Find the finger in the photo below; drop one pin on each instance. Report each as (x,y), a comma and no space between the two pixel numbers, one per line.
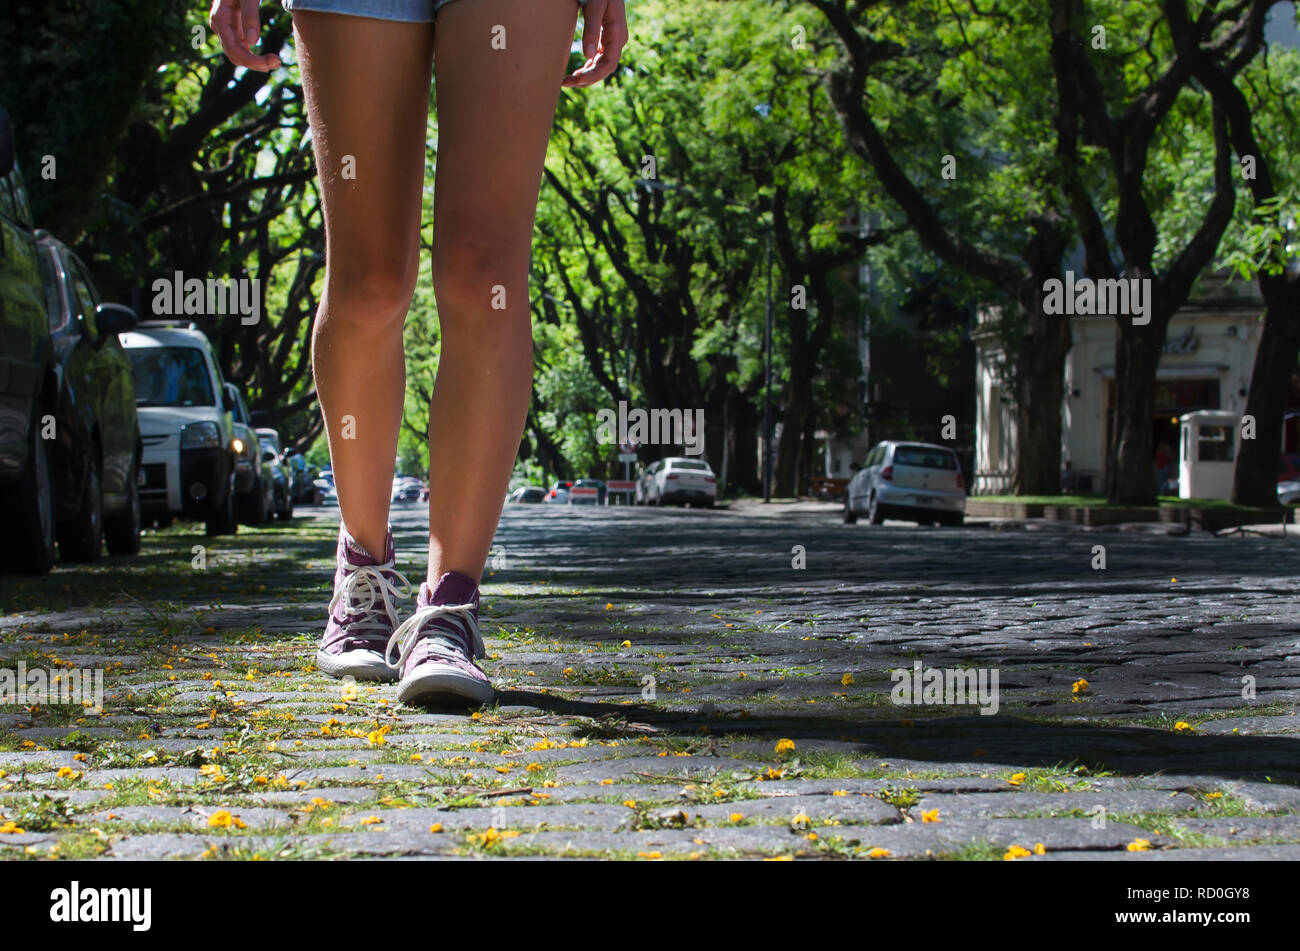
(225,20)
(593,15)
(613,38)
(601,66)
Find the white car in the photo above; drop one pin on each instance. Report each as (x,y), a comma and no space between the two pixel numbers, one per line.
(916,482)
(1288,493)
(681,479)
(190,450)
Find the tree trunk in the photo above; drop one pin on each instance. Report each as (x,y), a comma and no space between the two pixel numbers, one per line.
(1038,406)
(1254,479)
(1130,466)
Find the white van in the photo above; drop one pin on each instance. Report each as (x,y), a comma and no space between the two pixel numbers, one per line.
(190,447)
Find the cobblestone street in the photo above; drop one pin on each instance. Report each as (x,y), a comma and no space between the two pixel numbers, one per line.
(671,685)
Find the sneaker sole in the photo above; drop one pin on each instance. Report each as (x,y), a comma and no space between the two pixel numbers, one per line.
(444,688)
(358,664)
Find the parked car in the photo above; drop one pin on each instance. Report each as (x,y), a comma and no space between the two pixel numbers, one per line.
(69,437)
(917,482)
(325,491)
(682,479)
(303,482)
(281,471)
(584,499)
(186,425)
(559,493)
(527,493)
(1288,493)
(406,488)
(644,483)
(254,476)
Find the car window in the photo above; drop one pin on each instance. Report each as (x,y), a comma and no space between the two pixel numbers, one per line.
(170,376)
(691,466)
(50,285)
(924,458)
(85,292)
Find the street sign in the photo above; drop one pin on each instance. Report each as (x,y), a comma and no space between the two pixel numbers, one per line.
(627,447)
(627,457)
(620,485)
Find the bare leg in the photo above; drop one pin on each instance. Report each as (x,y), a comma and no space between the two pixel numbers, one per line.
(367,90)
(495,110)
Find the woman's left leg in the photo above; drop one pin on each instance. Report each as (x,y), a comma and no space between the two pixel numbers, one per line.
(498,66)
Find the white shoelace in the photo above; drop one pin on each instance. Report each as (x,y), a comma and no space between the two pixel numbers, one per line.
(367,591)
(410,633)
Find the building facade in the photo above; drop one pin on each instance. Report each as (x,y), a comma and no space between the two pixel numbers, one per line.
(1208,358)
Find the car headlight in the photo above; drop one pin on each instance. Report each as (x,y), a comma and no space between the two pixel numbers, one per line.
(237,444)
(203,435)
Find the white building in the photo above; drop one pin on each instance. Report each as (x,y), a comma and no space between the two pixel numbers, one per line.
(1208,358)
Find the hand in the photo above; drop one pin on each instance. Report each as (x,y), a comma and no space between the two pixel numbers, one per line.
(238,25)
(604,34)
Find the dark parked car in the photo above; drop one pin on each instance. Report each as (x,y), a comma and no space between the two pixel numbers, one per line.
(281,471)
(69,437)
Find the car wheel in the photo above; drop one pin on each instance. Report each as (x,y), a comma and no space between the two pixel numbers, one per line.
(122,531)
(222,521)
(81,538)
(850,516)
(29,519)
(874,515)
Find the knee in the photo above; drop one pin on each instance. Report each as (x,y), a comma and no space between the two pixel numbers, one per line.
(470,281)
(370,294)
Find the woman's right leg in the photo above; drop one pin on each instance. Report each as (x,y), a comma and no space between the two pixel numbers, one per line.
(367,85)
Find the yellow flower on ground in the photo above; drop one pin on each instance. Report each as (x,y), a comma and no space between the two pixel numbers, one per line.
(609,606)
(371,821)
(630,803)
(626,644)
(737,816)
(1183,726)
(222,819)
(67,772)
(1015,852)
(1079,686)
(1016,779)
(1040,849)
(878,854)
(436,827)
(839,792)
(1214,795)
(649,855)
(784,746)
(1139,845)
(10,828)
(607,782)
(931,816)
(376,737)
(846,680)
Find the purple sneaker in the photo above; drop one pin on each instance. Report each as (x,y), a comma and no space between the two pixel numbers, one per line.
(362,612)
(437,646)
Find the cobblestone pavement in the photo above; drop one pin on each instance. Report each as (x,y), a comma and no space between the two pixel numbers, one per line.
(671,685)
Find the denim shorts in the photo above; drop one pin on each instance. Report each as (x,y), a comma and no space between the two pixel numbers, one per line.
(406,11)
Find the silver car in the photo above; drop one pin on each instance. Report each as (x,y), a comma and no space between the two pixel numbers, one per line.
(911,481)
